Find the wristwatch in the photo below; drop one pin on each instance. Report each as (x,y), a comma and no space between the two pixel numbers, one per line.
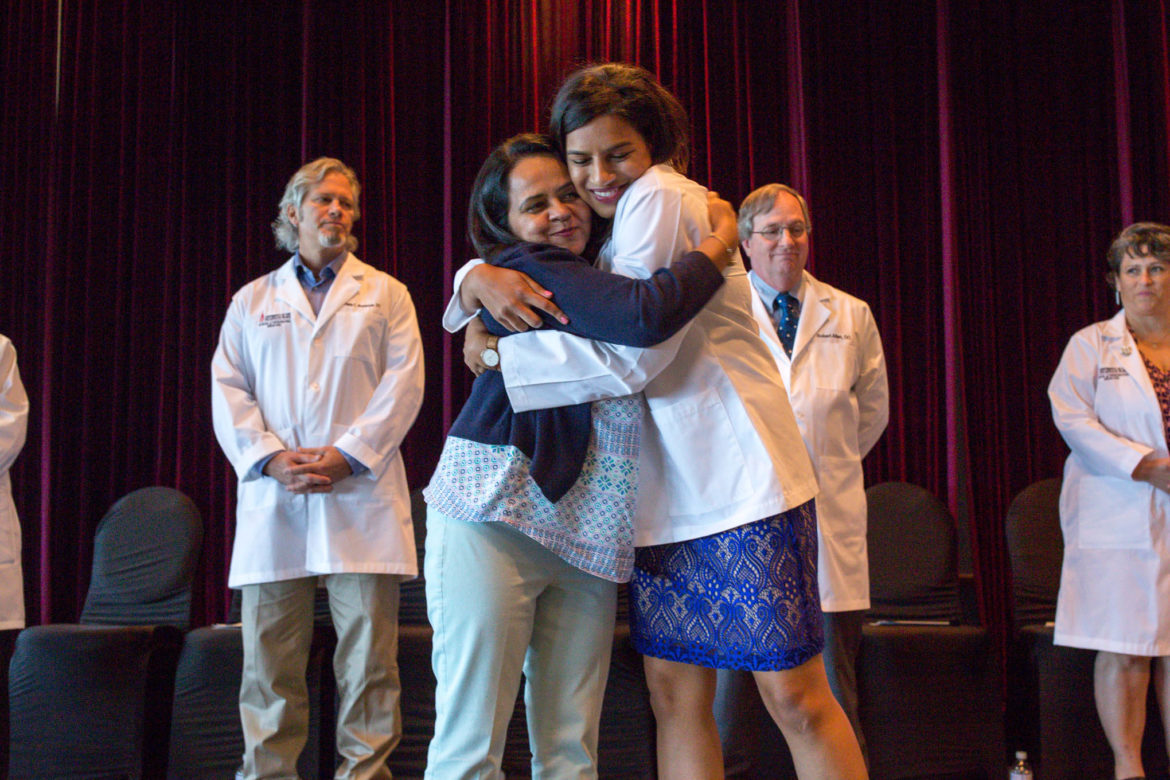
(490,355)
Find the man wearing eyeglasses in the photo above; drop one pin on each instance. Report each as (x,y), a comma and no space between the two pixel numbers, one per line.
(829,353)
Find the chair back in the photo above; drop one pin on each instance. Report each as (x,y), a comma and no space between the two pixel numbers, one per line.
(913,554)
(1036,551)
(145,552)
(412,594)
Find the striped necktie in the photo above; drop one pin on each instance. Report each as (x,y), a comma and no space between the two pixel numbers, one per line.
(789,308)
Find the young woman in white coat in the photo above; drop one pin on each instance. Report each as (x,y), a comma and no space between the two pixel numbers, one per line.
(1111,401)
(725,572)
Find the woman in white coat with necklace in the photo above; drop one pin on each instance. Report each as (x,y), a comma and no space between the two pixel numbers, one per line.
(1111,402)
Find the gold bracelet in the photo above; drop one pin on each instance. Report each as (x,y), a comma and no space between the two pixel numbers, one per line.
(729,249)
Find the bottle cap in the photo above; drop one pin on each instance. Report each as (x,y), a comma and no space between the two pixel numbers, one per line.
(1021,755)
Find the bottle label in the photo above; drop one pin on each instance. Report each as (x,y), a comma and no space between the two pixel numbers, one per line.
(1020,774)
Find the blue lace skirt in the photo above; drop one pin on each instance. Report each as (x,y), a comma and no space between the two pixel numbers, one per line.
(745,598)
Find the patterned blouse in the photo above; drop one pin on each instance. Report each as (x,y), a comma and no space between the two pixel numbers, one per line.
(590,527)
(1160,378)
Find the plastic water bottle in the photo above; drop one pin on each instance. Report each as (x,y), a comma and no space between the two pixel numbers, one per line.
(1021,769)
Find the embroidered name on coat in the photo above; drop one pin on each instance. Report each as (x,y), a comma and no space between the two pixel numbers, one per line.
(1111,373)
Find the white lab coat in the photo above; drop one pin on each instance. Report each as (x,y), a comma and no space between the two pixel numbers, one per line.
(350,377)
(720,447)
(1115,581)
(836,380)
(13,427)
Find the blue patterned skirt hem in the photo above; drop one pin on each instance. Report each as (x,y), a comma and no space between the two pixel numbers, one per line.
(745,598)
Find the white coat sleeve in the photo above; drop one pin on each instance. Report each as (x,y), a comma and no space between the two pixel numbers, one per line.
(545,369)
(1072,392)
(651,231)
(872,386)
(236,418)
(455,318)
(543,372)
(605,370)
(374,437)
(13,407)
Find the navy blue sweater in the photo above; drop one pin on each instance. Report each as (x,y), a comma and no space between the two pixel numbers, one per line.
(600,306)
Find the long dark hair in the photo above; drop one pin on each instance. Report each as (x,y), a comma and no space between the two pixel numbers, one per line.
(632,93)
(487,212)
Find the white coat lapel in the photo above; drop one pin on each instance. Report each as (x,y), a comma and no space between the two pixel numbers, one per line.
(814,313)
(290,291)
(770,337)
(347,284)
(1125,352)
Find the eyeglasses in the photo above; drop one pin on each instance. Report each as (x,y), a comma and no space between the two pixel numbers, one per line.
(773,232)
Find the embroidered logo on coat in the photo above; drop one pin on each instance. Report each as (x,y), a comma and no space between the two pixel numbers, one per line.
(274,320)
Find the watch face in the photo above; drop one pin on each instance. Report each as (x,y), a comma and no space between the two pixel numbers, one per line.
(490,357)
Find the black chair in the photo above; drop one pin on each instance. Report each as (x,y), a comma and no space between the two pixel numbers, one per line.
(626,744)
(1051,709)
(1035,548)
(94,700)
(929,684)
(7,646)
(206,739)
(145,552)
(409,759)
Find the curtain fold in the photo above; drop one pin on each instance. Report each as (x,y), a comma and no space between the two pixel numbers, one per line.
(966,166)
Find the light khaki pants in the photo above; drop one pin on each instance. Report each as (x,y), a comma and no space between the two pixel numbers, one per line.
(274,702)
(502,604)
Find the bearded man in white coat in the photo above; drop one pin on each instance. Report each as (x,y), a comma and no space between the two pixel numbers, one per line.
(316,380)
(830,357)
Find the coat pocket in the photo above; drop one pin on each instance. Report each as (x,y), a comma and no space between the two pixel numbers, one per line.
(1113,513)
(703,463)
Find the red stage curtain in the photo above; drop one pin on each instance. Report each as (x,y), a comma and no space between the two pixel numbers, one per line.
(966,163)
